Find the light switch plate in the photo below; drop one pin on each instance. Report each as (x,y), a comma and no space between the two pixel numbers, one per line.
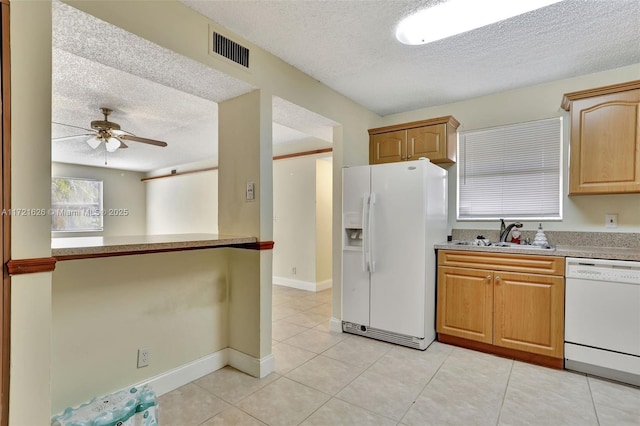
(251,191)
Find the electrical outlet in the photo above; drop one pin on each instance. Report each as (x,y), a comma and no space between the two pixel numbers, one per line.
(611,220)
(144,357)
(293,270)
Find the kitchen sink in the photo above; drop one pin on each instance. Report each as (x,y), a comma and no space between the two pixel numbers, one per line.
(523,246)
(485,243)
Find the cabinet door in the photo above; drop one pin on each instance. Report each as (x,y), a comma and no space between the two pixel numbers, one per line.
(388,147)
(605,144)
(529,313)
(427,141)
(465,303)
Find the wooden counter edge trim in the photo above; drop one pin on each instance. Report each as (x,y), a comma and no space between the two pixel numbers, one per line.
(604,90)
(260,245)
(448,119)
(31,266)
(545,361)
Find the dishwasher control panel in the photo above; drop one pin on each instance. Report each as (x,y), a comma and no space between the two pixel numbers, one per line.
(620,271)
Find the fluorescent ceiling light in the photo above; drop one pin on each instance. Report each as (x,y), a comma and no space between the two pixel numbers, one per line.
(459,16)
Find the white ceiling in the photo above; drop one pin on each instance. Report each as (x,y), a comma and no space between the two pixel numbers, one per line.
(154,93)
(348,45)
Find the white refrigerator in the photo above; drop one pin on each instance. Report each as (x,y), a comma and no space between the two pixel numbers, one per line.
(393,214)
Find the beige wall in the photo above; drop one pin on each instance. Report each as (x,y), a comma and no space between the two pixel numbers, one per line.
(183,204)
(302,210)
(324,194)
(294,211)
(104,310)
(30,380)
(121,189)
(580,213)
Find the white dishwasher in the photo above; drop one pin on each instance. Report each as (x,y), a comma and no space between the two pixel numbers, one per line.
(602,318)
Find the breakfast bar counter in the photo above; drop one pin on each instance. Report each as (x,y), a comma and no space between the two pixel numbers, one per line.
(90,247)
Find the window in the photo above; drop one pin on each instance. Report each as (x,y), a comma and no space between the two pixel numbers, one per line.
(76,204)
(511,172)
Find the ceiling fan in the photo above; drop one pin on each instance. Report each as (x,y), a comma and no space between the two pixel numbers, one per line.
(109,133)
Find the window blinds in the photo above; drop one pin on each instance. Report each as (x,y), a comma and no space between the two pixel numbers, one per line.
(511,172)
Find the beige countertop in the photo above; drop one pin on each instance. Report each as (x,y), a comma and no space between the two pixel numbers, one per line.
(79,247)
(590,252)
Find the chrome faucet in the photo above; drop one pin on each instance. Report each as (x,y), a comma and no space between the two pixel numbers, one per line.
(504,231)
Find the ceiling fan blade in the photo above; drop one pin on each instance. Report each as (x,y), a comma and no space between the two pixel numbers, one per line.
(69,125)
(64,138)
(142,140)
(122,144)
(120,132)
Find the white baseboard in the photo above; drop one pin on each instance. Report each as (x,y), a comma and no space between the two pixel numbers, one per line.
(302,285)
(180,376)
(335,325)
(250,365)
(324,285)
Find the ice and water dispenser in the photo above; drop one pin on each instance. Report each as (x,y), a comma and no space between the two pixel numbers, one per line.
(352,233)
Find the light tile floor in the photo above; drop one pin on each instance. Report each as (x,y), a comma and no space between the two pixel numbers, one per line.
(325,378)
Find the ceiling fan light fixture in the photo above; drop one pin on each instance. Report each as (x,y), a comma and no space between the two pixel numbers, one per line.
(112,144)
(459,16)
(93,142)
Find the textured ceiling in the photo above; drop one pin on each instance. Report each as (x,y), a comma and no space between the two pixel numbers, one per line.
(96,64)
(350,46)
(347,45)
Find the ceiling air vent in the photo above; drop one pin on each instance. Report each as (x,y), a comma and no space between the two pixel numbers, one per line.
(230,50)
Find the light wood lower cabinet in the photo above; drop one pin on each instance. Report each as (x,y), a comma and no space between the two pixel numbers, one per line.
(465,303)
(504,300)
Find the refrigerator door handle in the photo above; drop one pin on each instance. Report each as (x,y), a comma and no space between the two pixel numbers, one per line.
(370,226)
(365,232)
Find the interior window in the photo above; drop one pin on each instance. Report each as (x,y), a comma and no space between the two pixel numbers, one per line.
(76,205)
(511,172)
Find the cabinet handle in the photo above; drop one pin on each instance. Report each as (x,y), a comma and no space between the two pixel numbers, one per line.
(489,277)
(497,279)
(409,156)
(403,157)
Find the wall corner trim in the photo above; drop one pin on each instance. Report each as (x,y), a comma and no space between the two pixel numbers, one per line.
(253,366)
(31,266)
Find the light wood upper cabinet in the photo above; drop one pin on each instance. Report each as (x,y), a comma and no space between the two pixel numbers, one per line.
(389,147)
(506,300)
(605,139)
(434,139)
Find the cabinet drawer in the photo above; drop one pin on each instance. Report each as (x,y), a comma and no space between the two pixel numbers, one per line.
(548,265)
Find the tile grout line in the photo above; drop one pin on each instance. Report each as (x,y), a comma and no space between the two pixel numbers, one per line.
(347,384)
(427,384)
(355,378)
(595,409)
(506,388)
